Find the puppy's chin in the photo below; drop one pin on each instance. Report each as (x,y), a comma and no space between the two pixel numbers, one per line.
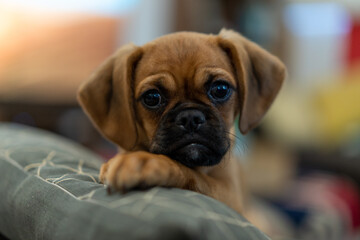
(193,152)
(196,154)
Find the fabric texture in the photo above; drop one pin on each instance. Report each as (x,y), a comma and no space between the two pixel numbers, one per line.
(50,190)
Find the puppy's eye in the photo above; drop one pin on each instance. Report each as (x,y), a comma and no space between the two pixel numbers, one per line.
(219,91)
(151,98)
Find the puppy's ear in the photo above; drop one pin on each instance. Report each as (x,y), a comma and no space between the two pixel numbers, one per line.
(259,75)
(107,97)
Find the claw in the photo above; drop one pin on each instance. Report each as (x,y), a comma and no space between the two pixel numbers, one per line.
(109,190)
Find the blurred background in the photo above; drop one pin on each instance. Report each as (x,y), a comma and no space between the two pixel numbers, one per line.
(302,163)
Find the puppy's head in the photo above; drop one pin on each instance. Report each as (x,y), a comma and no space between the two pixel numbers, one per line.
(180,94)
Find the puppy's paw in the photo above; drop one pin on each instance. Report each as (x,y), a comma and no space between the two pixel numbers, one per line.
(141,170)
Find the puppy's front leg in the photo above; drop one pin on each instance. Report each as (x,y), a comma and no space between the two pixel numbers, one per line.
(142,170)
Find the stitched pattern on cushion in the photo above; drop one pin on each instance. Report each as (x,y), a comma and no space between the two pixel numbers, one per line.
(74,170)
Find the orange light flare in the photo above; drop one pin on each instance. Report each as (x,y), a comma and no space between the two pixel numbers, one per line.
(22,29)
(45,54)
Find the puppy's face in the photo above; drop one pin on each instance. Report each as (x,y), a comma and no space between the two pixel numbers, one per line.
(186,98)
(179,95)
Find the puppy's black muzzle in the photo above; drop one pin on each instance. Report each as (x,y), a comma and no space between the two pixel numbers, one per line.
(192,134)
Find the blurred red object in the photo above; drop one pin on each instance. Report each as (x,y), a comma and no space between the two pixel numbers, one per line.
(353,56)
(333,194)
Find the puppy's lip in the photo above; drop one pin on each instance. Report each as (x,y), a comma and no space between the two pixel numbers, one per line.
(197,145)
(191,143)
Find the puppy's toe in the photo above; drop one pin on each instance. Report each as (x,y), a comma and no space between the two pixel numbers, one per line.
(103,171)
(108,171)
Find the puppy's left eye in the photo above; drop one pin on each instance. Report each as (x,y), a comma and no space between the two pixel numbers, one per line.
(219,91)
(152,98)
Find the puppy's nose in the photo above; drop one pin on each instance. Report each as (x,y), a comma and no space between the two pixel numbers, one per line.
(190,120)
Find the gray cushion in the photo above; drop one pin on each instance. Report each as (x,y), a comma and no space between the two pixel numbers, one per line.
(50,190)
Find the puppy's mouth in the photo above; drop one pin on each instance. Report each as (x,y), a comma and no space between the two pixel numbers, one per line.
(189,144)
(194,152)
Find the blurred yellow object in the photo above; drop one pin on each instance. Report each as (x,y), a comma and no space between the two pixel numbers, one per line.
(338,110)
(291,119)
(327,115)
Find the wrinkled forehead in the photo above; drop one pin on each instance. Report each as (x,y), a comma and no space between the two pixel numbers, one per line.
(181,56)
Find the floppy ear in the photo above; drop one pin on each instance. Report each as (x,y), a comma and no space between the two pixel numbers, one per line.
(259,75)
(107,97)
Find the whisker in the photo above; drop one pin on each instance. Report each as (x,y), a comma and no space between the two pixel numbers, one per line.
(239,144)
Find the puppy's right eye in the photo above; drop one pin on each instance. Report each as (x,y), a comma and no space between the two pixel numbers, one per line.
(151,98)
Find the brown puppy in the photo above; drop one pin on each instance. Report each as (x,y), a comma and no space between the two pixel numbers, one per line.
(171,105)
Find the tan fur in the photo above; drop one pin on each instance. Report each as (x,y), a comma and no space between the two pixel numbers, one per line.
(181,63)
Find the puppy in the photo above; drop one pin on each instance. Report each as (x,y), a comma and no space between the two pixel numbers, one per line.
(171,106)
